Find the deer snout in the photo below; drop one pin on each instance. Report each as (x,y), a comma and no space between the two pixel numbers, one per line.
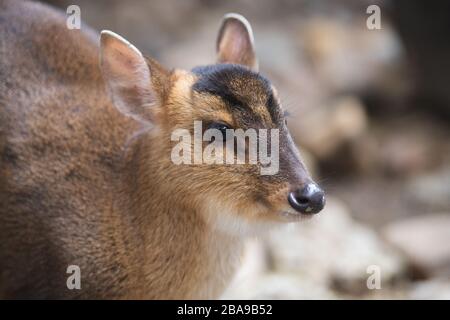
(309,199)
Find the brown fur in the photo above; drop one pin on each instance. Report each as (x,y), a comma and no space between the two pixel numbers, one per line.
(80,183)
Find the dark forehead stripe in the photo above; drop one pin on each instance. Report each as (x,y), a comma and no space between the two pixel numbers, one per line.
(238,86)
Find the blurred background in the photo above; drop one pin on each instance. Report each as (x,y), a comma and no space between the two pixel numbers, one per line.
(370,110)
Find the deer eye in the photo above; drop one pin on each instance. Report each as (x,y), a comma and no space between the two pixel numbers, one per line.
(222,127)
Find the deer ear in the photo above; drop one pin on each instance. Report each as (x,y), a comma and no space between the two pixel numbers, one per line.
(235,42)
(128,77)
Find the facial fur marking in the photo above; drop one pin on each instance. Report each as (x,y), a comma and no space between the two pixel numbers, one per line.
(241,89)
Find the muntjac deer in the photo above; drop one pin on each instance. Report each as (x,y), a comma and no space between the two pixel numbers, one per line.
(86,175)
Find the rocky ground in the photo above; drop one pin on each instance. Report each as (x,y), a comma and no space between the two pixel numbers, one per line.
(359,110)
(333,257)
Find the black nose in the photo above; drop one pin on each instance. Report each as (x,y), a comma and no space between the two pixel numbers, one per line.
(310,199)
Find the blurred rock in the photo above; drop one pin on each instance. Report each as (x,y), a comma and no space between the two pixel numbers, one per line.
(323,258)
(425,240)
(341,48)
(402,147)
(431,191)
(278,286)
(376,200)
(195,52)
(333,249)
(437,289)
(424,29)
(323,130)
(402,153)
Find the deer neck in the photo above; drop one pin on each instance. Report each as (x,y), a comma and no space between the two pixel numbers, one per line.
(181,255)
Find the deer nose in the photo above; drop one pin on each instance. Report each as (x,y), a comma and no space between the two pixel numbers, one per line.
(310,199)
